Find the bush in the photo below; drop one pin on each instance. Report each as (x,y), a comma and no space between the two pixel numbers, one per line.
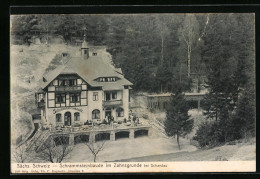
(209,134)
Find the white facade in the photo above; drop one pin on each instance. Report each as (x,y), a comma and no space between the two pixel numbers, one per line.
(71,96)
(95,100)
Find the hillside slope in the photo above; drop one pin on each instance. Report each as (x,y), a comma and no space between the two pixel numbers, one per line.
(27,65)
(226,152)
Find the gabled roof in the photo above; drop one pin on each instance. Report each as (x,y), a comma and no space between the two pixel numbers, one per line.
(88,69)
(119,70)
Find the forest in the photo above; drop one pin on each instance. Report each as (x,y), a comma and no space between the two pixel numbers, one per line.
(165,52)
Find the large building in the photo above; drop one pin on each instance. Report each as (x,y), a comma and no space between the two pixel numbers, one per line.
(83,89)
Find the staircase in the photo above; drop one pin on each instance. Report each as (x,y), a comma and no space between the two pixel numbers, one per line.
(157,125)
(36,142)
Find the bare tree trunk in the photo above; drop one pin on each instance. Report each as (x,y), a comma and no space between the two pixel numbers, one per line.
(95,156)
(47,34)
(178,142)
(225,137)
(180,73)
(162,46)
(245,135)
(189,54)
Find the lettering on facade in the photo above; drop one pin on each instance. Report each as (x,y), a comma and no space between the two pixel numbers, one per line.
(66,108)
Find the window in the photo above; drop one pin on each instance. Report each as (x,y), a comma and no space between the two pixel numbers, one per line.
(96,114)
(72,82)
(67,119)
(95,96)
(60,98)
(108,79)
(85,51)
(58,117)
(74,97)
(65,54)
(107,96)
(114,95)
(119,112)
(62,82)
(76,116)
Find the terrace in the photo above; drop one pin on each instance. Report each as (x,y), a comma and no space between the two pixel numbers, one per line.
(100,131)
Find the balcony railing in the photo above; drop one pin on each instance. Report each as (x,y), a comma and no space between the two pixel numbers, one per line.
(68,88)
(112,103)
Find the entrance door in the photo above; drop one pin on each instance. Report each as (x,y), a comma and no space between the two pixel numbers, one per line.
(67,119)
(108,112)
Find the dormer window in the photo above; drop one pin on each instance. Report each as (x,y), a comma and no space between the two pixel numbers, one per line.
(64,54)
(107,79)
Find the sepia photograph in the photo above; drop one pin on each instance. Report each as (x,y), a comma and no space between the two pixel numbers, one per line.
(140,92)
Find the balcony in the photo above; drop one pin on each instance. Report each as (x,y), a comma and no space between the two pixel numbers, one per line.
(113,103)
(68,88)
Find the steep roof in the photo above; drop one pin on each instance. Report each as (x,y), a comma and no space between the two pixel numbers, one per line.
(89,70)
(84,44)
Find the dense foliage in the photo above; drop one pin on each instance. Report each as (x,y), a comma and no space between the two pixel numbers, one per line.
(229,57)
(158,52)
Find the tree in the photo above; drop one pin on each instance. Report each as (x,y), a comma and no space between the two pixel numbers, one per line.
(226,69)
(189,35)
(204,134)
(244,117)
(23,26)
(164,76)
(55,150)
(162,29)
(178,121)
(228,55)
(95,147)
(19,153)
